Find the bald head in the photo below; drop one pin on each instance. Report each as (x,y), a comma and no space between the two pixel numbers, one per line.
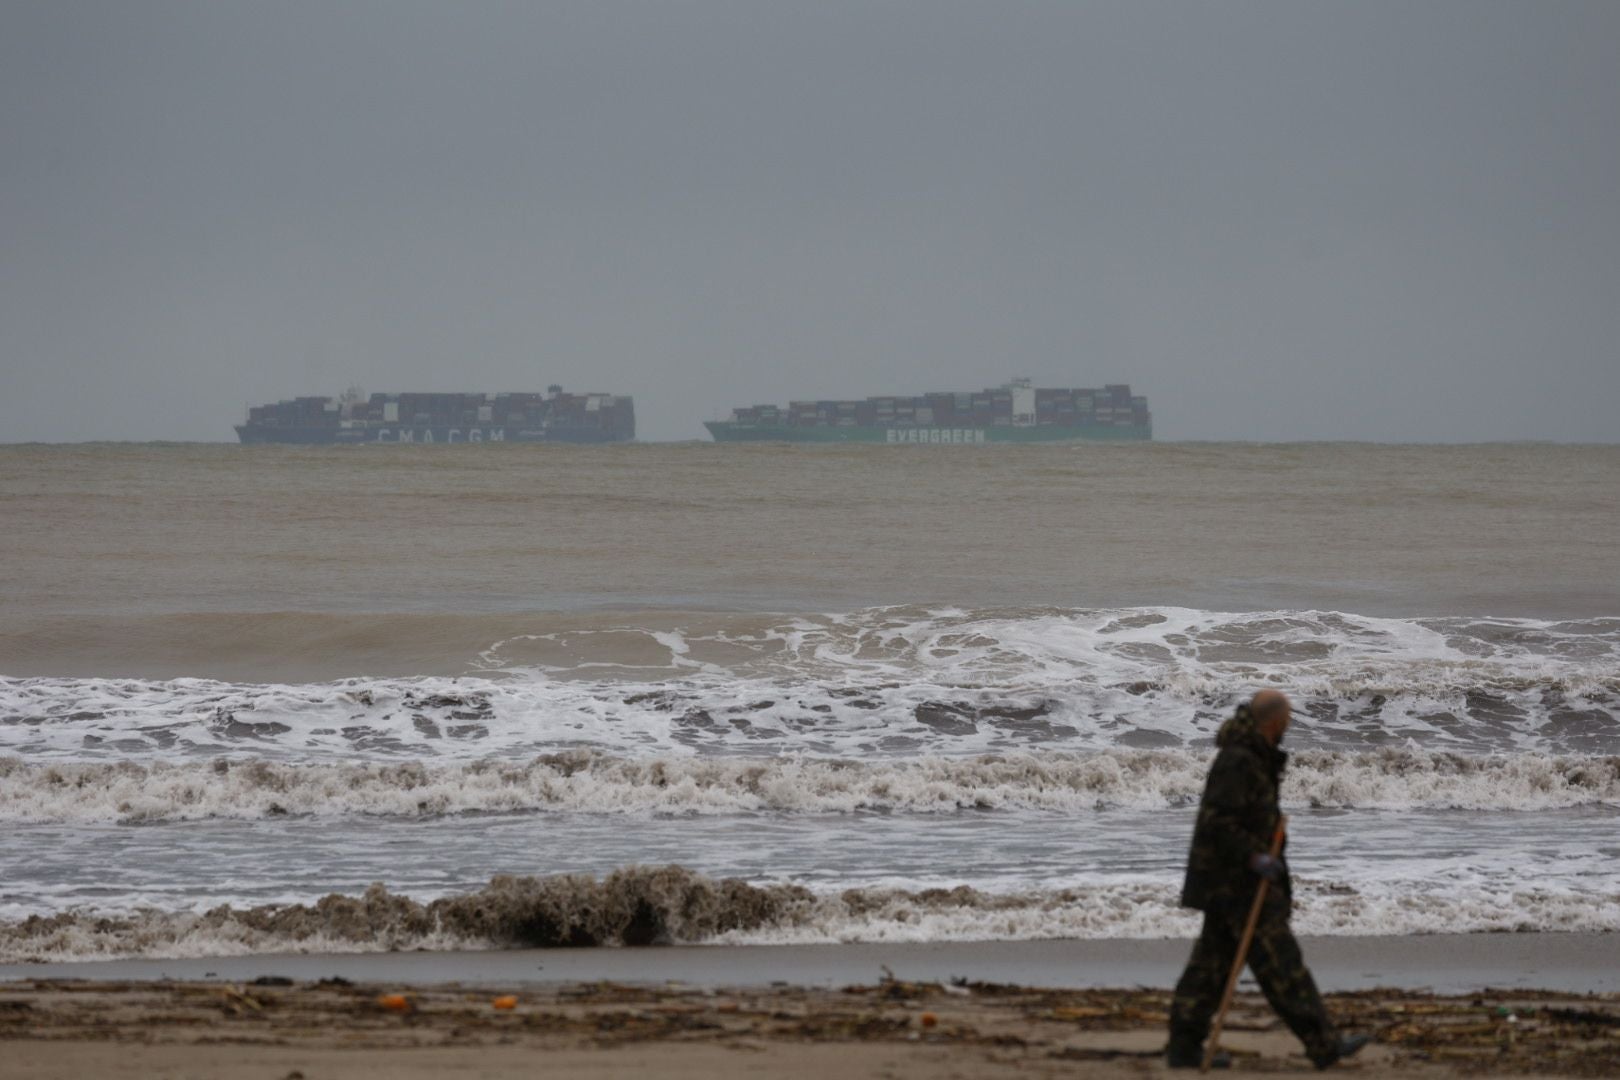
(1271,713)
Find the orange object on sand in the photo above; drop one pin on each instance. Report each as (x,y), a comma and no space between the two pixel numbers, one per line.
(928,1019)
(394,1002)
(506,1002)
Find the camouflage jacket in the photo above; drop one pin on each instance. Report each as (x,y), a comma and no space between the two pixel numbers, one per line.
(1236,818)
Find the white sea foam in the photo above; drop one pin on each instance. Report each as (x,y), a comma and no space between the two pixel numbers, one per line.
(886,751)
(887,681)
(670,904)
(585,782)
(1146,911)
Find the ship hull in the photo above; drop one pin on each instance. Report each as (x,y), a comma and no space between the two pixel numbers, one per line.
(894,434)
(389,434)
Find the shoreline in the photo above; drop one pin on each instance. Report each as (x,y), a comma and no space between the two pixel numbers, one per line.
(1574,963)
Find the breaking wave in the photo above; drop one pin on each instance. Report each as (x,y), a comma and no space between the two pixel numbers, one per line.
(674,905)
(582,781)
(972,731)
(884,681)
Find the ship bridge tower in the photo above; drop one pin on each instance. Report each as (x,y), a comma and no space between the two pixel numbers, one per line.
(1023,402)
(349,399)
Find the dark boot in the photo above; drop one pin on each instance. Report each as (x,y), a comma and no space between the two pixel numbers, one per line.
(1183,1055)
(1345,1046)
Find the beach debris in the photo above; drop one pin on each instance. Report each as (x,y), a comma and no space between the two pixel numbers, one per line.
(1552,1034)
(979,986)
(1080,1012)
(1087,1053)
(239,1003)
(892,987)
(1582,1016)
(505,1002)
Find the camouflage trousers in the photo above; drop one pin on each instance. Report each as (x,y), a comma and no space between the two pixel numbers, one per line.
(1278,967)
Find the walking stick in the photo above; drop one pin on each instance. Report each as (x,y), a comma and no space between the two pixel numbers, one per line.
(1242,950)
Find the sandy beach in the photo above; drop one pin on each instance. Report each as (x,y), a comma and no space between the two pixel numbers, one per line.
(1523,1005)
(278,1028)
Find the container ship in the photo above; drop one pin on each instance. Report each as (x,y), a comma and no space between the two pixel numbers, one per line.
(443,418)
(1017,412)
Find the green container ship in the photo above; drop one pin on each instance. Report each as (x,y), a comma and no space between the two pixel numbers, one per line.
(1015,413)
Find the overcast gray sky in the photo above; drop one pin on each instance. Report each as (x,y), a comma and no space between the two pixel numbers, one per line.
(1370,220)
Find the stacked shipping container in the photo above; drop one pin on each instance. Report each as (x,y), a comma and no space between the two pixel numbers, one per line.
(415,417)
(1016,405)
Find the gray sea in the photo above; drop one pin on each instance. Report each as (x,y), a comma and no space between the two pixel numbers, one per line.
(261,698)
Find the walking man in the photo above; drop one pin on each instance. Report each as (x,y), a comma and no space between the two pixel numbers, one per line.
(1231,845)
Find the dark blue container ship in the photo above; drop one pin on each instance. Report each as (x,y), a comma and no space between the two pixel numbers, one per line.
(554,416)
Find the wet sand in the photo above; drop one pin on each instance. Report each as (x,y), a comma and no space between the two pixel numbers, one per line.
(1442,963)
(890,1028)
